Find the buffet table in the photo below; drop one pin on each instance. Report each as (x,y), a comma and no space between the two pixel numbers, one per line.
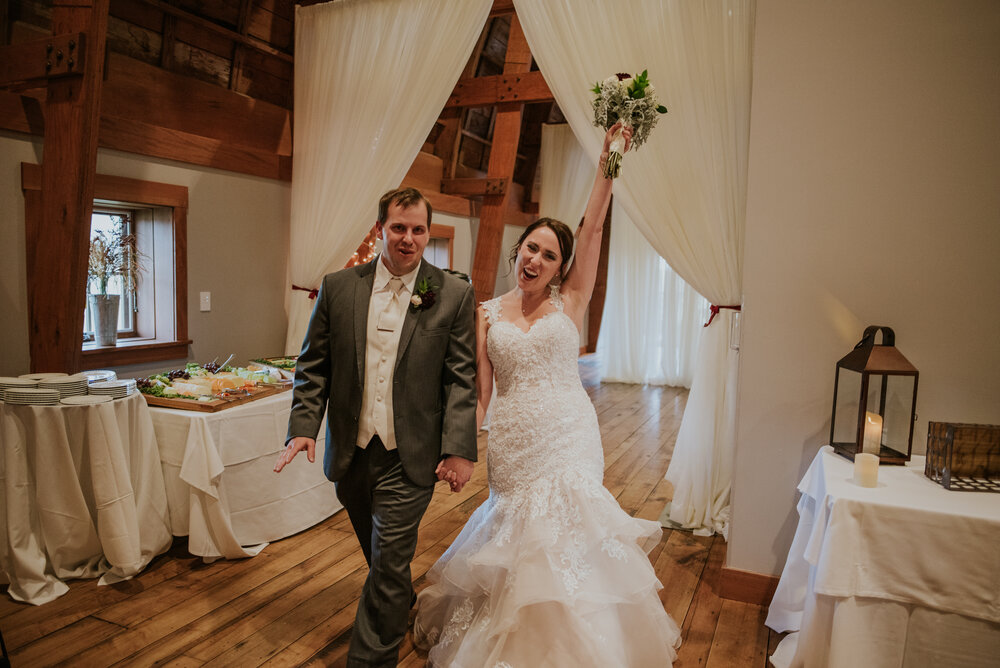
(903,574)
(221,487)
(82,495)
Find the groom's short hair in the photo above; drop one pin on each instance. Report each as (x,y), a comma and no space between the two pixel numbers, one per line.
(404,198)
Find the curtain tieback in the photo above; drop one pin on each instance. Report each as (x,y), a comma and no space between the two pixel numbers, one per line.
(715,311)
(314,291)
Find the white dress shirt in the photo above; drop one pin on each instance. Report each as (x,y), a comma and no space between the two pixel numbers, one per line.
(385,322)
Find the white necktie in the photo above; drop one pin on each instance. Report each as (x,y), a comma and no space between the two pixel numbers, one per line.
(392,315)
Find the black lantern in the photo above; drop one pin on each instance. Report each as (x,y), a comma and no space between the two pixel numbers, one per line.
(874,400)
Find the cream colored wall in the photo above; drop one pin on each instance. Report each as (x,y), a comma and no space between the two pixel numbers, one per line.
(873,198)
(13,286)
(237,232)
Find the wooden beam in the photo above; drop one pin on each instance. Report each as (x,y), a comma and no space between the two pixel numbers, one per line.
(22,113)
(193,19)
(57,256)
(474,187)
(167,45)
(39,60)
(501,7)
(595,312)
(503,156)
(127,134)
(507,87)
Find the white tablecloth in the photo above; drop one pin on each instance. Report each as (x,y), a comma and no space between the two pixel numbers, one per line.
(904,574)
(221,487)
(82,495)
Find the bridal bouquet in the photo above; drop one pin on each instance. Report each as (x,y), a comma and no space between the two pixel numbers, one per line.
(631,100)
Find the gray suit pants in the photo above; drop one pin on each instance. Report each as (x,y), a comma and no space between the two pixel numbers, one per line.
(385,508)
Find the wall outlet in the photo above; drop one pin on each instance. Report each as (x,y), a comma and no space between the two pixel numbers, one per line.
(205,301)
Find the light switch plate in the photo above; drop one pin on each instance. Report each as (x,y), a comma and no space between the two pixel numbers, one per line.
(205,301)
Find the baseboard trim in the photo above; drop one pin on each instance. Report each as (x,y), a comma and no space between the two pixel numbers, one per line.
(747,586)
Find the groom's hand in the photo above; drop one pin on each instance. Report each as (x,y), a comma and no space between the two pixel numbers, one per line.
(456,471)
(292,448)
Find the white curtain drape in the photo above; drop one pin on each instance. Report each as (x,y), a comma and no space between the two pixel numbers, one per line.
(685,190)
(371,77)
(652,318)
(566,175)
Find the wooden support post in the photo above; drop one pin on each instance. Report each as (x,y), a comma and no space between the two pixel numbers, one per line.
(503,157)
(57,258)
(596,310)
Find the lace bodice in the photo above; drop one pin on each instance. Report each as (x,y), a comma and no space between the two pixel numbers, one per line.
(542,417)
(542,358)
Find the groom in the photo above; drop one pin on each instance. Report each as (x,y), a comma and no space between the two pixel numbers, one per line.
(390,357)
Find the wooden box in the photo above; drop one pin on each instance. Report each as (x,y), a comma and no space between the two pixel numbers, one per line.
(964,457)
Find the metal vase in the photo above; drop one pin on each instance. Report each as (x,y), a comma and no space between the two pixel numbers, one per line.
(104,309)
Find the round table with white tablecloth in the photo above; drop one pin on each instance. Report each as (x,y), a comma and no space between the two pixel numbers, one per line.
(81,495)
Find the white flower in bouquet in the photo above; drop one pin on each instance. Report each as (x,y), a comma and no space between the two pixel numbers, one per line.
(631,100)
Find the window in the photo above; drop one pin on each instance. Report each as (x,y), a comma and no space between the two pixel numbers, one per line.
(114,221)
(153,326)
(440,246)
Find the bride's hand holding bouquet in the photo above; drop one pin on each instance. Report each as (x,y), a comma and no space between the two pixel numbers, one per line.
(629,101)
(618,139)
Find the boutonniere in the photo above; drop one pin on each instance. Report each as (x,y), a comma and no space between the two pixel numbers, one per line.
(423,297)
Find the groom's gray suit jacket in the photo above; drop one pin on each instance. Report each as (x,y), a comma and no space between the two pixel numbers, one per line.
(434,389)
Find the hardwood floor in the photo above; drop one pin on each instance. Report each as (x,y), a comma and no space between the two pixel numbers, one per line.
(294,603)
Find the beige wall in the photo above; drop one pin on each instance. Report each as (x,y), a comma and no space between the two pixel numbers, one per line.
(237,249)
(874,198)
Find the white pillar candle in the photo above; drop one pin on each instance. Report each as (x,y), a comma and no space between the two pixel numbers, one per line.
(873,434)
(865,470)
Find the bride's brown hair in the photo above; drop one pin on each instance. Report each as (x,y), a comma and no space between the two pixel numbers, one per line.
(563,234)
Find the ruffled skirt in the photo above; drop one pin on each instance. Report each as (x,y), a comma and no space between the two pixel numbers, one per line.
(556,574)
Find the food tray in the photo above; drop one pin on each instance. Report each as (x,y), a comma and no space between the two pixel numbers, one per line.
(216,405)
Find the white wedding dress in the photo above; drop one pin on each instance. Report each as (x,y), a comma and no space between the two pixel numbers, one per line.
(549,571)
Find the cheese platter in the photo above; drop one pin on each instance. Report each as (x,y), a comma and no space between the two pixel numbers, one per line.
(210,387)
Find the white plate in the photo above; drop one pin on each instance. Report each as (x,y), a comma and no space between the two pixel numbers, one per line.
(10,381)
(42,376)
(112,384)
(87,400)
(96,375)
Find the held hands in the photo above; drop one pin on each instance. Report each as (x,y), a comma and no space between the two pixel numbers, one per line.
(455,470)
(292,448)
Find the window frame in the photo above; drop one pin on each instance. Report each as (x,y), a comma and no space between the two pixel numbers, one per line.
(170,203)
(446,232)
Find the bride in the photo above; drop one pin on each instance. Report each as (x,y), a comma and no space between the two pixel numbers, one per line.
(549,571)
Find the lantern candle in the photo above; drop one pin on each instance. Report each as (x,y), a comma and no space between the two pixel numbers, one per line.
(865,470)
(873,434)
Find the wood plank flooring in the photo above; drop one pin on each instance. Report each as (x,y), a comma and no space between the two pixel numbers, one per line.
(294,603)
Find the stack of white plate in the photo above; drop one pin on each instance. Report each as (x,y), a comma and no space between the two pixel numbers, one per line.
(97,375)
(9,382)
(116,389)
(86,400)
(41,376)
(31,396)
(68,386)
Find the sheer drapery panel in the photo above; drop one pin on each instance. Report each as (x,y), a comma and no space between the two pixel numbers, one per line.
(652,318)
(371,78)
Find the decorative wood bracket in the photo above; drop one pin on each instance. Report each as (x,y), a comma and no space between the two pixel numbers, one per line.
(37,61)
(474,187)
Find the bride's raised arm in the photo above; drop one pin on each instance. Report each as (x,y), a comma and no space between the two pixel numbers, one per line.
(579,283)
